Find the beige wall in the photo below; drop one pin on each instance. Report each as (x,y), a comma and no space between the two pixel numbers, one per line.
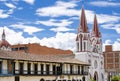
(7,78)
(38,78)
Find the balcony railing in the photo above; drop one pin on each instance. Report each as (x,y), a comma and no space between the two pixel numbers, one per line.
(25,72)
(41,73)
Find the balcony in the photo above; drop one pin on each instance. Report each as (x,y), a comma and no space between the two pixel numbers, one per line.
(46,73)
(41,73)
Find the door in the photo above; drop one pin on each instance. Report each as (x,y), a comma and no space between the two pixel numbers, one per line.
(17,78)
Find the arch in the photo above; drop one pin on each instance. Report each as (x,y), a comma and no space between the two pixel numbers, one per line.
(96,76)
(42,79)
(83,78)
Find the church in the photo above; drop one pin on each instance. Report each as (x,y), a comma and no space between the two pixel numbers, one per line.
(89,47)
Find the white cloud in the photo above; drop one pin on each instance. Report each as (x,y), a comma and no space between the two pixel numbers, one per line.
(6,13)
(53,22)
(104,3)
(113,26)
(61,40)
(115,44)
(62,9)
(16,37)
(3,15)
(26,28)
(59,9)
(61,29)
(107,42)
(103,18)
(61,25)
(29,1)
(10,5)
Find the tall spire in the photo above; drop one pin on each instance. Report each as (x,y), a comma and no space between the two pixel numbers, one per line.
(3,35)
(83,22)
(95,29)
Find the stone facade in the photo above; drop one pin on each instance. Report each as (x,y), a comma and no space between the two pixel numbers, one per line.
(89,48)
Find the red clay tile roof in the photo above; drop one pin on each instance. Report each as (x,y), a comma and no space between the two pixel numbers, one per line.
(35,48)
(42,58)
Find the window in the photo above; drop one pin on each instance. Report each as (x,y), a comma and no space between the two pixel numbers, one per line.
(78,69)
(82,70)
(47,69)
(21,68)
(58,70)
(23,48)
(77,46)
(71,67)
(14,49)
(0,67)
(84,46)
(35,68)
(29,68)
(42,69)
(54,69)
(13,63)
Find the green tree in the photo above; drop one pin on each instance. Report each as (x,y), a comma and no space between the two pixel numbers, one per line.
(92,79)
(115,78)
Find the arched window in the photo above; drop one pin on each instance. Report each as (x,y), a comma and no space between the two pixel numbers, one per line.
(42,79)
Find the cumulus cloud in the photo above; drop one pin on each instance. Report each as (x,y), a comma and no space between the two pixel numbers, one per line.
(6,13)
(59,25)
(10,5)
(59,9)
(113,26)
(26,28)
(61,29)
(62,9)
(14,37)
(31,2)
(104,3)
(115,44)
(3,14)
(53,22)
(60,40)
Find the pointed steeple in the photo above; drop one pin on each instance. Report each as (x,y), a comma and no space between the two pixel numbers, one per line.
(83,22)
(3,35)
(95,30)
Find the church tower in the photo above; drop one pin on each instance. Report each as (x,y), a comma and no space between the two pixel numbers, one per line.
(83,37)
(4,45)
(96,40)
(89,48)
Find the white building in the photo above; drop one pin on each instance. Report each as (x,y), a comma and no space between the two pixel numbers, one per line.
(17,66)
(20,66)
(89,48)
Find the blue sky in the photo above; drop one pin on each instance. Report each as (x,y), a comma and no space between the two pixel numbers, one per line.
(54,23)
